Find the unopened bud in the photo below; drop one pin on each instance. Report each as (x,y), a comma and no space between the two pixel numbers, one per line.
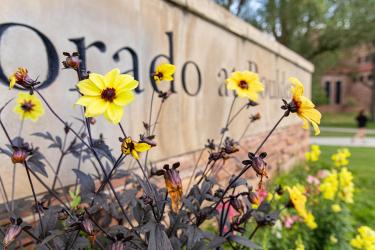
(19,155)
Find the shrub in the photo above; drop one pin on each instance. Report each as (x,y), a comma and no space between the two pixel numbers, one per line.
(142,214)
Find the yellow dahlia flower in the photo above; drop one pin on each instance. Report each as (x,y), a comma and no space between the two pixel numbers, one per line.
(164,72)
(246,84)
(106,94)
(28,107)
(130,147)
(305,109)
(365,239)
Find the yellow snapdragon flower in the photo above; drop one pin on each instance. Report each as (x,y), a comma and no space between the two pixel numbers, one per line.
(365,239)
(330,185)
(346,185)
(299,202)
(336,208)
(313,154)
(341,157)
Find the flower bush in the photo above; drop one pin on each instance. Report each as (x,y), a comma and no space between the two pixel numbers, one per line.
(142,213)
(321,218)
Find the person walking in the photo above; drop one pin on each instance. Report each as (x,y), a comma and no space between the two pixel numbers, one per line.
(361,124)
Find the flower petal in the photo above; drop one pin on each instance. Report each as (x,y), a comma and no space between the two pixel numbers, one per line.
(98,80)
(86,100)
(297,89)
(114,113)
(96,107)
(111,77)
(124,98)
(125,82)
(135,154)
(87,87)
(142,147)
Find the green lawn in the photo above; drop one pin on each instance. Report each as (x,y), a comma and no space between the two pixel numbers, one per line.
(362,165)
(342,120)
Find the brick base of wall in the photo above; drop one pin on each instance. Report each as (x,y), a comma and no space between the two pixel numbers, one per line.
(284,148)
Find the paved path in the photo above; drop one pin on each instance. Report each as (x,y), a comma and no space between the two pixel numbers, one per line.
(342,141)
(345,130)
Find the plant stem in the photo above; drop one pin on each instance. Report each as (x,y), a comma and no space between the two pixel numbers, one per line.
(236,114)
(100,228)
(270,133)
(58,170)
(150,115)
(195,168)
(4,194)
(157,118)
(60,119)
(228,118)
(254,231)
(35,199)
(117,163)
(50,191)
(247,167)
(122,130)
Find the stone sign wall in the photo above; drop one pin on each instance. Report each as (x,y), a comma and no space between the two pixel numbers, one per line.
(205,42)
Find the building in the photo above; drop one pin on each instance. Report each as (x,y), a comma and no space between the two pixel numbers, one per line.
(348,87)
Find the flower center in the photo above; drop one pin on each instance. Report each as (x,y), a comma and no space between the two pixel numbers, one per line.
(243,84)
(108,94)
(159,75)
(294,106)
(27,106)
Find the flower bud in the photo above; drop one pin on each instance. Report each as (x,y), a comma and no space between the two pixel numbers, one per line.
(71,61)
(174,186)
(19,155)
(11,234)
(87,226)
(253,198)
(118,245)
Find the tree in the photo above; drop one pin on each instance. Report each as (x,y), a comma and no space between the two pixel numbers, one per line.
(319,30)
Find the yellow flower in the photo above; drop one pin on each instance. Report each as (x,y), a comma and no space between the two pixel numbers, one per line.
(330,185)
(129,146)
(336,208)
(299,244)
(246,84)
(305,109)
(107,94)
(346,185)
(310,221)
(299,202)
(164,72)
(333,239)
(341,157)
(365,239)
(313,154)
(28,107)
(20,76)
